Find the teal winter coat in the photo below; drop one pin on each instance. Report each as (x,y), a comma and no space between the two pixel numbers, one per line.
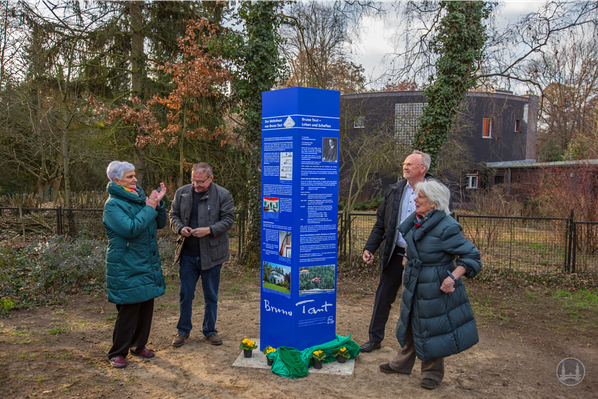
(133,266)
(442,324)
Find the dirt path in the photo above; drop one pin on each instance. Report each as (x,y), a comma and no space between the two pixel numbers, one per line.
(60,352)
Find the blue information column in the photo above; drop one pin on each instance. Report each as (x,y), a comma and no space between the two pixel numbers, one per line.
(300,141)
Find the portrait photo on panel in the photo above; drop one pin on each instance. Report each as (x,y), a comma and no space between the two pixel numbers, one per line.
(329,149)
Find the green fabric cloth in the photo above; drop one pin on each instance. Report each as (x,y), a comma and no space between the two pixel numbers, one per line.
(288,363)
(291,363)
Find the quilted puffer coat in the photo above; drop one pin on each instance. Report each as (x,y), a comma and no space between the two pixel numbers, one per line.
(442,324)
(133,266)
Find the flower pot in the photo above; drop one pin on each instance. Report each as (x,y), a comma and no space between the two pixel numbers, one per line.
(341,359)
(317,364)
(247,353)
(269,361)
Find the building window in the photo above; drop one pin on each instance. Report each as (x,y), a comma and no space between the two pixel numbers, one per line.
(487,132)
(473,180)
(499,179)
(359,122)
(407,121)
(517,126)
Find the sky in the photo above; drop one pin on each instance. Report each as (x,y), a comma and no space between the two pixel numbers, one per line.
(375,38)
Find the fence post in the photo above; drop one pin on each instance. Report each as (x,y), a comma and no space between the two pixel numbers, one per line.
(570,245)
(574,246)
(345,229)
(59,220)
(243,215)
(342,244)
(22,221)
(349,240)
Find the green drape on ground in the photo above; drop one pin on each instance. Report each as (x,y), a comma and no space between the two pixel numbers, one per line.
(292,363)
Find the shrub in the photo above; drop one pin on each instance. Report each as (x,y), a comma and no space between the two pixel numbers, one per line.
(371,204)
(46,271)
(6,305)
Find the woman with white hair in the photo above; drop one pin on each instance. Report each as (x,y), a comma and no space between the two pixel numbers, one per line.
(436,319)
(133,268)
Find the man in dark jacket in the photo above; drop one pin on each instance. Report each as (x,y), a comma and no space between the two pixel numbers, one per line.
(397,205)
(202,213)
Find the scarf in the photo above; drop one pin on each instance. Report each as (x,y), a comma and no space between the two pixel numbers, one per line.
(135,191)
(419,220)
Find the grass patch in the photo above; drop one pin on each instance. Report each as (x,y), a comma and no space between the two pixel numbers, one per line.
(234,290)
(66,356)
(487,312)
(577,303)
(58,330)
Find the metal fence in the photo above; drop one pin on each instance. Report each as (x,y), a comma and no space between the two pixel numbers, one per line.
(584,254)
(88,223)
(519,243)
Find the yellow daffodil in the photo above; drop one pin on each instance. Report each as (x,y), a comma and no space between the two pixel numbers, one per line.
(248,344)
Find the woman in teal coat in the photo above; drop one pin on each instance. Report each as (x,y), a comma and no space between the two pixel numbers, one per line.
(133,268)
(436,319)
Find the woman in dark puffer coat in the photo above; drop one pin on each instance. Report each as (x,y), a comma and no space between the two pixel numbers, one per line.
(436,319)
(133,268)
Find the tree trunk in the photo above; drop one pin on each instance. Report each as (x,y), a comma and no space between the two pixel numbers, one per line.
(137,54)
(67,180)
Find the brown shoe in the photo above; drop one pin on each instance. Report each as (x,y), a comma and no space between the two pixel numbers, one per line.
(214,339)
(179,340)
(146,353)
(118,362)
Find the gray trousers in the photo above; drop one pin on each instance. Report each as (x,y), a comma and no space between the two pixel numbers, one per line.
(405,359)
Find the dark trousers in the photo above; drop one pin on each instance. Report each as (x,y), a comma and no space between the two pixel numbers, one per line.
(132,328)
(391,278)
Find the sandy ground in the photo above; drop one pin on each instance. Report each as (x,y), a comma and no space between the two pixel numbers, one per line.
(516,357)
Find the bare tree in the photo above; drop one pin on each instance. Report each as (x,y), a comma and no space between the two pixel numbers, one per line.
(318,42)
(11,41)
(509,48)
(567,76)
(369,148)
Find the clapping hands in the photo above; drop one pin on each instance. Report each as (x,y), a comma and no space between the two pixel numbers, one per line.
(156,196)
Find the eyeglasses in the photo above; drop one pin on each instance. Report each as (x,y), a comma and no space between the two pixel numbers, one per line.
(200,182)
(408,165)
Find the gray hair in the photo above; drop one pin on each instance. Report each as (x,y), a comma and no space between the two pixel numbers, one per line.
(202,167)
(426,160)
(116,169)
(437,193)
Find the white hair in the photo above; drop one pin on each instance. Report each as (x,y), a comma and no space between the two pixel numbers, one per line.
(116,169)
(437,193)
(426,160)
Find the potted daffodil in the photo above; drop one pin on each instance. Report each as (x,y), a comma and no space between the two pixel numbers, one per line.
(341,354)
(248,346)
(318,356)
(267,350)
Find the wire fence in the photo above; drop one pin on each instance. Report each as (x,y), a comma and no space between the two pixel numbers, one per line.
(526,244)
(519,243)
(87,223)
(584,255)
